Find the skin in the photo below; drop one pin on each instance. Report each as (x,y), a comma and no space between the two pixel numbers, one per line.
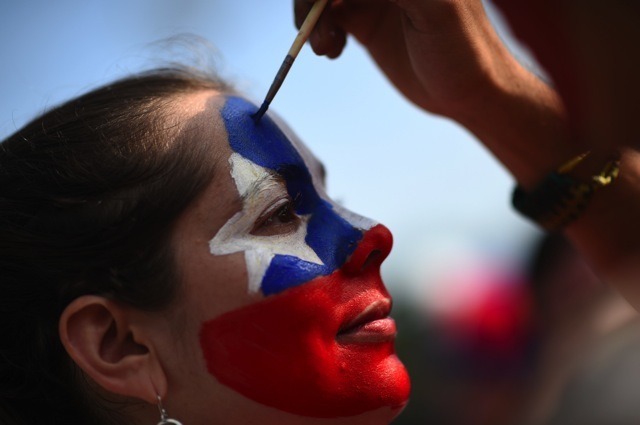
(536,132)
(588,51)
(214,361)
(520,119)
(444,56)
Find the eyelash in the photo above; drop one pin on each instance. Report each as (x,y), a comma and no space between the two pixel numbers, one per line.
(279,219)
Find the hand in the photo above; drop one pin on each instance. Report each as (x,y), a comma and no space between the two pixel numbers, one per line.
(443,55)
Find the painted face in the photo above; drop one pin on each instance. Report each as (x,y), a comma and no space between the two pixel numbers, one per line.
(319,343)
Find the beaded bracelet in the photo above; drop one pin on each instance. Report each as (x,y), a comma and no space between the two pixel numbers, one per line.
(560,198)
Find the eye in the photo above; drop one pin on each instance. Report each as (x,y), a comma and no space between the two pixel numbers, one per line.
(279,219)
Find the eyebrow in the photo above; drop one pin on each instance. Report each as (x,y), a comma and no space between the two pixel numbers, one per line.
(262,184)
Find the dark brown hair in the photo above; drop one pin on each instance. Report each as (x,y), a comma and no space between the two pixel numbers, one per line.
(88,195)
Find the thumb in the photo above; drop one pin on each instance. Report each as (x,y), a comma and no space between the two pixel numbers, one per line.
(327,38)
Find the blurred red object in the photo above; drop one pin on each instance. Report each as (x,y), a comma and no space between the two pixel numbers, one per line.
(485,312)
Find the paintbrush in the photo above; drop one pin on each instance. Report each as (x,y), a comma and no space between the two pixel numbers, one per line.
(305,30)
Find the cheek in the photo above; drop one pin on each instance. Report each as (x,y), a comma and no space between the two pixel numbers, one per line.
(282,352)
(215,285)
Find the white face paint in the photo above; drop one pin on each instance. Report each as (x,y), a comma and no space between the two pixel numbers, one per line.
(258,189)
(316,267)
(298,255)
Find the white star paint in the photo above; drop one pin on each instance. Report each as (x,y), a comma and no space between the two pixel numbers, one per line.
(259,189)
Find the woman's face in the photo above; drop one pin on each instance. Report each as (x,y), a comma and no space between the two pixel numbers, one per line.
(283,317)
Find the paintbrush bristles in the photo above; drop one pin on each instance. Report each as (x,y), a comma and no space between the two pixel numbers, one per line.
(302,37)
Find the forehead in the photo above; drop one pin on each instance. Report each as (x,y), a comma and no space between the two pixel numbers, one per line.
(227,122)
(198,115)
(268,142)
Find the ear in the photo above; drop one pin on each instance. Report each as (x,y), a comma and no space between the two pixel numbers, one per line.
(105,341)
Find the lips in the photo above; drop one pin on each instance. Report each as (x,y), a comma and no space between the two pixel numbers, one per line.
(322,349)
(371,325)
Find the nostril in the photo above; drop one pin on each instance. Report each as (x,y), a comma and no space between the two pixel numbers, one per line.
(372,258)
(371,251)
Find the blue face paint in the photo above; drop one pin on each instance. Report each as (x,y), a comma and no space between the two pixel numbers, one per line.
(329,234)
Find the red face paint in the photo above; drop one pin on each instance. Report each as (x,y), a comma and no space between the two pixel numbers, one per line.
(285,351)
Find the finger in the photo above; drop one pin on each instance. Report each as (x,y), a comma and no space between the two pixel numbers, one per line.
(301,9)
(340,40)
(327,38)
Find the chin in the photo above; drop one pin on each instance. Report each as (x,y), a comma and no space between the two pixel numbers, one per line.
(324,349)
(241,410)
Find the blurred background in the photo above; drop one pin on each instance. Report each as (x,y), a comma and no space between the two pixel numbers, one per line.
(459,271)
(443,196)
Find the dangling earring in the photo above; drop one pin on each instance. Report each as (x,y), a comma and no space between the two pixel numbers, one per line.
(164,418)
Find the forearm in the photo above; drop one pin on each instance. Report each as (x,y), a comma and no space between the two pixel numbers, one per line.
(522,122)
(445,57)
(607,232)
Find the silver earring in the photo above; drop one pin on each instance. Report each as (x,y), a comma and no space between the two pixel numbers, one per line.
(164,418)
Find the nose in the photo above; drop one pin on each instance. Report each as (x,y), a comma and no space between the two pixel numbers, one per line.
(374,247)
